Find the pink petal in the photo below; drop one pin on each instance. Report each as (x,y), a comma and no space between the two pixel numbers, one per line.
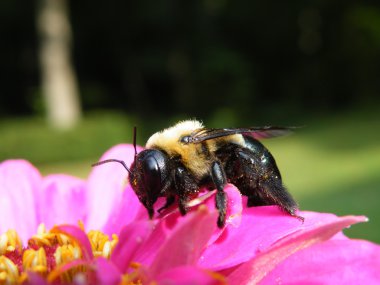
(234,210)
(330,262)
(147,253)
(62,200)
(19,191)
(131,239)
(233,214)
(235,206)
(36,279)
(170,221)
(186,242)
(106,272)
(79,236)
(106,185)
(260,228)
(256,269)
(189,275)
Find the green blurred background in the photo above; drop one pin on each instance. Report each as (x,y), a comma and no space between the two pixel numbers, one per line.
(314,64)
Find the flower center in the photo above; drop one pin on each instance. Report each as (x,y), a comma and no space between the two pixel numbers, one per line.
(46,253)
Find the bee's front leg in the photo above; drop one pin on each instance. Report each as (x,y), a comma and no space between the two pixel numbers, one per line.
(184,185)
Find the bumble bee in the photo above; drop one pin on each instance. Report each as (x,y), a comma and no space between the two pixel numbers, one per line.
(179,160)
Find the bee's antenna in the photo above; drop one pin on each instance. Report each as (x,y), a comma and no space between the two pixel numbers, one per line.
(134,140)
(113,160)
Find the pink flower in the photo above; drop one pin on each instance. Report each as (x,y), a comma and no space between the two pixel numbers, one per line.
(258,245)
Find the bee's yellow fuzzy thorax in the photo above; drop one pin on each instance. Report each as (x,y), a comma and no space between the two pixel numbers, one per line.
(170,137)
(191,155)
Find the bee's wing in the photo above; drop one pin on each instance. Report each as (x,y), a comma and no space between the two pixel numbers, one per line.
(204,134)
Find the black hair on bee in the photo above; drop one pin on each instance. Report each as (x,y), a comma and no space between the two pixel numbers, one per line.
(179,160)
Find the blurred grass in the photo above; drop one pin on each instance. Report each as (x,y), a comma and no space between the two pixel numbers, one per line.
(333,165)
(33,139)
(330,165)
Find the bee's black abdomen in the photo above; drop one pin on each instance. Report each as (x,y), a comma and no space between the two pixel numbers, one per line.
(253,170)
(267,159)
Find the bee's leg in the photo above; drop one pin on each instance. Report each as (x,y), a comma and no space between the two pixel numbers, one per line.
(149,207)
(185,186)
(182,204)
(220,180)
(169,201)
(165,192)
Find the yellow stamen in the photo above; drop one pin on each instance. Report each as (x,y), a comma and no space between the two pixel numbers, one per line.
(35,260)
(46,238)
(63,255)
(217,276)
(49,252)
(100,243)
(135,265)
(81,225)
(130,279)
(136,277)
(67,253)
(9,242)
(9,273)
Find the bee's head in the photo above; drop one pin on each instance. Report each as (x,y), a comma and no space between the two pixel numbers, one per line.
(148,174)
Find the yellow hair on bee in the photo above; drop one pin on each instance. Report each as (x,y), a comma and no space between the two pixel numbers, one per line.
(171,135)
(193,155)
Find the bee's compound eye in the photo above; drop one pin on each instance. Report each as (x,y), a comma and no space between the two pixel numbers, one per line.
(150,165)
(152,171)
(185,139)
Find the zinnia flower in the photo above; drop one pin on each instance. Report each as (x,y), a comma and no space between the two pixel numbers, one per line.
(61,229)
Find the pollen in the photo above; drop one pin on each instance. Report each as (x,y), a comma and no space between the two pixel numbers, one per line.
(100,243)
(9,273)
(46,238)
(67,253)
(49,254)
(35,260)
(132,279)
(10,241)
